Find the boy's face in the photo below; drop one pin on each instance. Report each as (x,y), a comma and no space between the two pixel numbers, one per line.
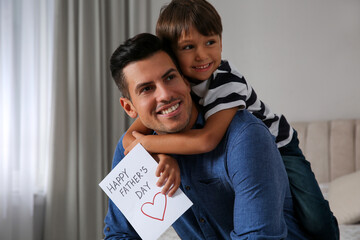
(198,55)
(160,96)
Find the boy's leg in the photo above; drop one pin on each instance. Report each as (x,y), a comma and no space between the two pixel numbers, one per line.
(310,206)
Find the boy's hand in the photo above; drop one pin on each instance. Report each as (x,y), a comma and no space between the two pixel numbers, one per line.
(138,136)
(168,172)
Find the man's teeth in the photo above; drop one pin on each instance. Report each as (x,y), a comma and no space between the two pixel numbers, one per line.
(204,66)
(170,109)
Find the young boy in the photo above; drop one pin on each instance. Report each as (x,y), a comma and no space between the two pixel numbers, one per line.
(193,30)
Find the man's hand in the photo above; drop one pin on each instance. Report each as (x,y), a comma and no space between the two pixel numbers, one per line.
(168,172)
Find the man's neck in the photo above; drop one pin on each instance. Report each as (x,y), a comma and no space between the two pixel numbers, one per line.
(193,118)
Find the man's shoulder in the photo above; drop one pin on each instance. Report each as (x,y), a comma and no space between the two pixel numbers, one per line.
(119,152)
(245,121)
(243,118)
(247,131)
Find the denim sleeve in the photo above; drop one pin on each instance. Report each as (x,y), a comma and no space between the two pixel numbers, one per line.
(116,225)
(259,179)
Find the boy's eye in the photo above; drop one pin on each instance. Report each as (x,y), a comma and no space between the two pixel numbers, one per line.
(187,47)
(211,42)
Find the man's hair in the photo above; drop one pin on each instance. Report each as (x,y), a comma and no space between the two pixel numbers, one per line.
(135,49)
(179,15)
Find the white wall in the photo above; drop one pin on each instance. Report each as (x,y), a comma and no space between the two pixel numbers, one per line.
(301,57)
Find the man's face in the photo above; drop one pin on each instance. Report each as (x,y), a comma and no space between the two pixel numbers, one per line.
(159,95)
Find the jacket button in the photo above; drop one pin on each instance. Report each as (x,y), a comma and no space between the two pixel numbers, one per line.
(187,187)
(202,220)
(107,229)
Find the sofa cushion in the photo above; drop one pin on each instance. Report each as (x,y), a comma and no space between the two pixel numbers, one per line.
(324,187)
(344,198)
(342,139)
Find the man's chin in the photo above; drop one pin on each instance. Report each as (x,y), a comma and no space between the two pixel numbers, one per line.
(171,130)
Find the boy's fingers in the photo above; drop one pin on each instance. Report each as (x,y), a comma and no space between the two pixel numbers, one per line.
(167,186)
(159,170)
(162,179)
(130,147)
(137,134)
(174,188)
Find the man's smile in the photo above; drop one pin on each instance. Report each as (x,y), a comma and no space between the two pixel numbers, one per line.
(170,109)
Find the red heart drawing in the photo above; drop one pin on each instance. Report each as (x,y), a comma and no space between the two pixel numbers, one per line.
(155,209)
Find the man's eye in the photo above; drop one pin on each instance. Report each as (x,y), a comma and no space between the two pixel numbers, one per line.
(170,77)
(145,89)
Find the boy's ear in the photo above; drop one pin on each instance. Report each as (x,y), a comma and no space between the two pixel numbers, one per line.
(128,107)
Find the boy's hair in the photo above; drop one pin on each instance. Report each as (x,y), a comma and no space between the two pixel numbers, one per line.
(179,15)
(135,49)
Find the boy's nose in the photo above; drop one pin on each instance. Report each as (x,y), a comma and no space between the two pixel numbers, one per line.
(200,54)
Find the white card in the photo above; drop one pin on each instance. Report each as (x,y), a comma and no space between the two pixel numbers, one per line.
(131,185)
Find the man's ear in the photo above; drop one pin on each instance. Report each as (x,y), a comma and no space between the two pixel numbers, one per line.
(128,107)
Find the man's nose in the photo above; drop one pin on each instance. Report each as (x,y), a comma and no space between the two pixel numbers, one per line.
(163,93)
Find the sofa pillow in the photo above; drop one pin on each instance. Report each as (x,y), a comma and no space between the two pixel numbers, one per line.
(344,198)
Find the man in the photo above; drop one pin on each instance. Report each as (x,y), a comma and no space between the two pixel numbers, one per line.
(239,190)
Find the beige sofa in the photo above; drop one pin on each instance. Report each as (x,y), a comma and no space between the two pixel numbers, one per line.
(333,149)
